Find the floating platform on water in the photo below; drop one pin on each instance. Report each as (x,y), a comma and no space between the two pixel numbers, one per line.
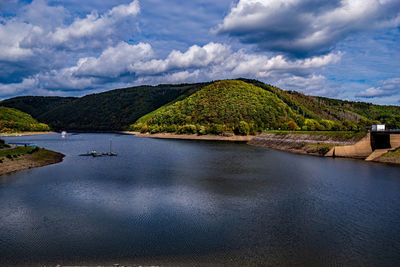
(94,153)
(98,154)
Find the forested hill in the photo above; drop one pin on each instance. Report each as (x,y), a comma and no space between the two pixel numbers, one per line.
(12,120)
(111,110)
(249,106)
(214,107)
(36,105)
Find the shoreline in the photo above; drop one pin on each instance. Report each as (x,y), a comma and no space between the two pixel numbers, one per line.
(234,138)
(28,161)
(26,133)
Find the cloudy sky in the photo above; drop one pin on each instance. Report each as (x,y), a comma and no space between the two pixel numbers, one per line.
(347,49)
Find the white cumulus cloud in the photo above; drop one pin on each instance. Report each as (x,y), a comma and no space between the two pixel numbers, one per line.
(11,34)
(137,63)
(114,61)
(388,87)
(94,25)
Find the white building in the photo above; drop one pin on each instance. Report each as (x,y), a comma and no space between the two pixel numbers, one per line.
(378,127)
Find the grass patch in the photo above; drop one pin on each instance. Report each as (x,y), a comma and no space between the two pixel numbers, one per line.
(34,153)
(43,155)
(16,151)
(392,154)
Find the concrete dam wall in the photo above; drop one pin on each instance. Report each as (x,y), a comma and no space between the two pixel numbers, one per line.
(360,150)
(372,146)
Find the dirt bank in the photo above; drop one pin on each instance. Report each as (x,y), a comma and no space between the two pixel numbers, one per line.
(18,162)
(302,143)
(234,138)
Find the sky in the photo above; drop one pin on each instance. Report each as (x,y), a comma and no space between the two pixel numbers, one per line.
(348,49)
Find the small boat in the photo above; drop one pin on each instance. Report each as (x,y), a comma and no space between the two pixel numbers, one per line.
(98,154)
(63,134)
(92,153)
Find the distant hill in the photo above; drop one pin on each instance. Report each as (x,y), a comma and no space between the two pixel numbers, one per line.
(219,107)
(36,105)
(111,110)
(239,106)
(249,106)
(12,120)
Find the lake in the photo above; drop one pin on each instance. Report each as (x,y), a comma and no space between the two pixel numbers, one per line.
(176,201)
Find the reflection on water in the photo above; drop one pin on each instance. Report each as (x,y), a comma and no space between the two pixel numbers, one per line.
(168,201)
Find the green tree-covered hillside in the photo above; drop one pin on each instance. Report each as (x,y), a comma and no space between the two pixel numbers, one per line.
(108,111)
(314,107)
(248,106)
(224,106)
(36,105)
(12,120)
(239,106)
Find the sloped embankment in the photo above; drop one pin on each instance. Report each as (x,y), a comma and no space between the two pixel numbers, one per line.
(302,143)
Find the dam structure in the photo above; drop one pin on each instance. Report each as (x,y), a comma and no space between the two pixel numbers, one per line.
(372,146)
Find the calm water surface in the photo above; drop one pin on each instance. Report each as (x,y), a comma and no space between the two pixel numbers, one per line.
(170,201)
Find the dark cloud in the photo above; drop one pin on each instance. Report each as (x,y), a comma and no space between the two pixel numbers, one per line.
(305,27)
(13,73)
